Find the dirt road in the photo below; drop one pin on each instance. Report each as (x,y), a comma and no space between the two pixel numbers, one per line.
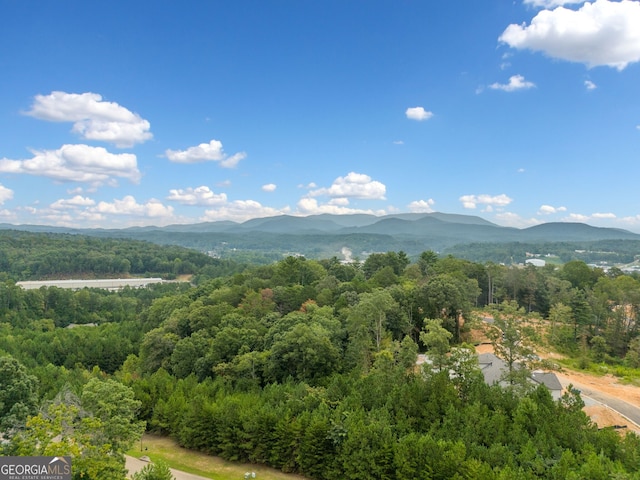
(602,391)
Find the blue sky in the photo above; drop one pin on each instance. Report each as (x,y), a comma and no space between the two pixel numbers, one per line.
(153,113)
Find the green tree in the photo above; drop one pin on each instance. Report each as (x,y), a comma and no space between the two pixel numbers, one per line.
(18,393)
(632,357)
(511,340)
(436,339)
(305,353)
(115,406)
(371,314)
(560,317)
(450,298)
(154,471)
(64,429)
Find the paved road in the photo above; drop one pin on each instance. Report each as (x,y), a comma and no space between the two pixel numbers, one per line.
(631,412)
(134,465)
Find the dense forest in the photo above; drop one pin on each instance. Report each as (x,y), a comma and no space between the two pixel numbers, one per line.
(309,365)
(38,256)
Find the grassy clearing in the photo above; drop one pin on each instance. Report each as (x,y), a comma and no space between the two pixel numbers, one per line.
(625,374)
(167,450)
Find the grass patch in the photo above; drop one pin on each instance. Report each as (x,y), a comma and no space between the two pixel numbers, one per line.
(197,463)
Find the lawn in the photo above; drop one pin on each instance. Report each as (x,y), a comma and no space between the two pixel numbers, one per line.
(167,450)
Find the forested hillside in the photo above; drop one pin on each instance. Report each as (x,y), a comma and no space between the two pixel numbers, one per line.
(310,366)
(324,236)
(37,256)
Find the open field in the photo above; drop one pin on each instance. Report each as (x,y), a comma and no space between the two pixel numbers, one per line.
(201,464)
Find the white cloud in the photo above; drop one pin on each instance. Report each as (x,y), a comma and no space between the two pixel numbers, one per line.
(550,3)
(340,201)
(93,118)
(576,217)
(472,201)
(607,215)
(421,206)
(5,194)
(589,85)
(398,142)
(269,187)
(76,163)
(599,33)
(549,210)
(631,221)
(418,113)
(75,202)
(354,185)
(240,211)
(129,206)
(516,82)
(510,219)
(8,215)
(197,196)
(206,152)
(310,206)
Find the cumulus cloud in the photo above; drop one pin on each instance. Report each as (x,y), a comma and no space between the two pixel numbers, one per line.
(341,201)
(77,201)
(549,210)
(589,85)
(472,201)
(600,33)
(516,82)
(607,215)
(129,206)
(7,215)
(93,118)
(240,211)
(550,3)
(5,194)
(421,206)
(197,196)
(354,185)
(418,113)
(598,216)
(76,163)
(310,206)
(576,217)
(510,219)
(206,152)
(269,187)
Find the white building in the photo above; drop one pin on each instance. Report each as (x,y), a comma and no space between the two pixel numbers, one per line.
(106,283)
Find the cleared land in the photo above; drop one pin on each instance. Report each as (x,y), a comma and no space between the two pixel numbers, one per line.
(604,391)
(199,465)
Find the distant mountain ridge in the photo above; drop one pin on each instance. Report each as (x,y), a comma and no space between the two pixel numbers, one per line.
(326,235)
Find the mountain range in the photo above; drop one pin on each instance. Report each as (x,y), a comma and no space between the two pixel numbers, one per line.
(321,236)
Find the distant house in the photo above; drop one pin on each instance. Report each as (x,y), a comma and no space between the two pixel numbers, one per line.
(493,368)
(536,262)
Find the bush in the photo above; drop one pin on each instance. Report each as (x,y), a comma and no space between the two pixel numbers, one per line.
(154,471)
